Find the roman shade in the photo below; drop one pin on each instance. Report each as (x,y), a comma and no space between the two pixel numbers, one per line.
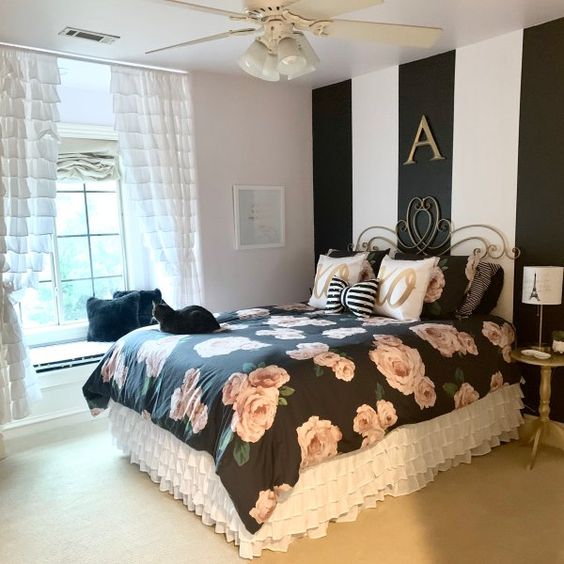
(87,160)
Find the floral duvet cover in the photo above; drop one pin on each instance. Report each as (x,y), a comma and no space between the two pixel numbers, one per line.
(281,388)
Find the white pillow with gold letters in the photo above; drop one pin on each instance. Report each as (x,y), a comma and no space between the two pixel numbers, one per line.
(347,268)
(402,289)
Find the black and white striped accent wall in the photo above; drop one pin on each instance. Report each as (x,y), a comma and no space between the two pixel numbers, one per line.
(496,113)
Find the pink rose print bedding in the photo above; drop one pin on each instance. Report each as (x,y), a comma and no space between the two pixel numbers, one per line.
(278,390)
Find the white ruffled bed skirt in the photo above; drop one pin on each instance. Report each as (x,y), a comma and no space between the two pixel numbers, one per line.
(405,461)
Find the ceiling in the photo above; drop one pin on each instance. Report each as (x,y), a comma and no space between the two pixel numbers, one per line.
(149,24)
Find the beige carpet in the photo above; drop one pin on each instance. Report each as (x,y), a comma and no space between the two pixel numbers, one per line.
(72,498)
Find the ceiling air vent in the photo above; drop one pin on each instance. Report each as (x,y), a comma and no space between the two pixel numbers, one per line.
(90,35)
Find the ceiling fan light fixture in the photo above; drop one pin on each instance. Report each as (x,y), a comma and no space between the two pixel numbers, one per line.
(270,69)
(307,50)
(258,62)
(291,59)
(254,57)
(310,55)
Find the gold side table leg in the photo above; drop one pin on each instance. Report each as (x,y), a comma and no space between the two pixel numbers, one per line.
(544,411)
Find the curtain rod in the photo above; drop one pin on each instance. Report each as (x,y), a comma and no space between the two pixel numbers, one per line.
(90,59)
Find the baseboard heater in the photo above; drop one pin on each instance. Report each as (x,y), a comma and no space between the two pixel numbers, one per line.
(70,363)
(67,355)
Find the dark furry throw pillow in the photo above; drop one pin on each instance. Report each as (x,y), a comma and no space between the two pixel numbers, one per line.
(108,320)
(146,301)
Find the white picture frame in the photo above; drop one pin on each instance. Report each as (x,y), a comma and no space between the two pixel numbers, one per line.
(260,217)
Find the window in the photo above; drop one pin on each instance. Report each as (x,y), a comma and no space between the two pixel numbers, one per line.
(88,258)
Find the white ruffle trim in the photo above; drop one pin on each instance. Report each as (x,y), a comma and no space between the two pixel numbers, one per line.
(405,461)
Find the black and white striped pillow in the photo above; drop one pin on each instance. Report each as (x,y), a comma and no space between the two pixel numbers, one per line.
(485,271)
(359,298)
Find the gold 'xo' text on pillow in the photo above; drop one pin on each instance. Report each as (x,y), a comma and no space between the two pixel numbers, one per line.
(403,285)
(348,269)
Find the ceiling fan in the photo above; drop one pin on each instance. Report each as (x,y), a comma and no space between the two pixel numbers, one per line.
(281,47)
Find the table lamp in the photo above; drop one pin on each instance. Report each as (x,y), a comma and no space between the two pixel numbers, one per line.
(542,285)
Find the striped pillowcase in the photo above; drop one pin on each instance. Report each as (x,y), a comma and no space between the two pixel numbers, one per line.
(485,271)
(359,298)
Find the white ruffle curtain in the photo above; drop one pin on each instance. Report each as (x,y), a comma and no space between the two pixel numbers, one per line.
(28,169)
(153,120)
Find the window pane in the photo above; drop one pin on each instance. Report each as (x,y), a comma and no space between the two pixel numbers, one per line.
(104,288)
(75,295)
(68,185)
(107,258)
(71,215)
(104,186)
(74,260)
(38,306)
(103,213)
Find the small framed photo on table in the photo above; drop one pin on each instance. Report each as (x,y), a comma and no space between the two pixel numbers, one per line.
(259,216)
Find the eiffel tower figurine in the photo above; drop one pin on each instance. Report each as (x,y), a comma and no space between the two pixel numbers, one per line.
(534,294)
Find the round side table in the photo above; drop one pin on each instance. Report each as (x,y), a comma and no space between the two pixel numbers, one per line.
(546,366)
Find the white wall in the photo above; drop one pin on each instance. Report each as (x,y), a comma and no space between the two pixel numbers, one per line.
(487,95)
(485,153)
(252,132)
(375,131)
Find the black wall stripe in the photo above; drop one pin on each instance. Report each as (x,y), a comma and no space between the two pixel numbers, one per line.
(540,192)
(332,166)
(426,87)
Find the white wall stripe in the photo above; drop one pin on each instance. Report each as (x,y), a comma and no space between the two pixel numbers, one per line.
(486,138)
(375,131)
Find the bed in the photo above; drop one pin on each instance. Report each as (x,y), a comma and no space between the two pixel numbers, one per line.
(289,418)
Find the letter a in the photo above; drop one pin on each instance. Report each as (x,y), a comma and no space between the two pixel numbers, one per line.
(429,141)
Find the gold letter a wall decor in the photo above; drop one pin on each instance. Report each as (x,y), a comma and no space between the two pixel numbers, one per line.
(429,141)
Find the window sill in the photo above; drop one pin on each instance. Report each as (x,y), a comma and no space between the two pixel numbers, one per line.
(55,334)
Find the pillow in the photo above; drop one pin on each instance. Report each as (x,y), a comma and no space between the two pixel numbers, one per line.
(402,288)
(347,268)
(485,272)
(358,298)
(447,286)
(369,269)
(146,300)
(108,320)
(491,297)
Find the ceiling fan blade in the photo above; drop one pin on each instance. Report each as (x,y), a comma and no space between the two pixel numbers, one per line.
(394,34)
(205,39)
(326,9)
(208,9)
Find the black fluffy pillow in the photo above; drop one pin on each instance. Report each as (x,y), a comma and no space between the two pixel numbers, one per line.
(375,259)
(447,288)
(108,320)
(146,300)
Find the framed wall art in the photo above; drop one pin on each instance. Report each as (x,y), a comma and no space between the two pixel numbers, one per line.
(259,213)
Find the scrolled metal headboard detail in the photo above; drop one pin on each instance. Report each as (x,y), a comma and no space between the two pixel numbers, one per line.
(425,232)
